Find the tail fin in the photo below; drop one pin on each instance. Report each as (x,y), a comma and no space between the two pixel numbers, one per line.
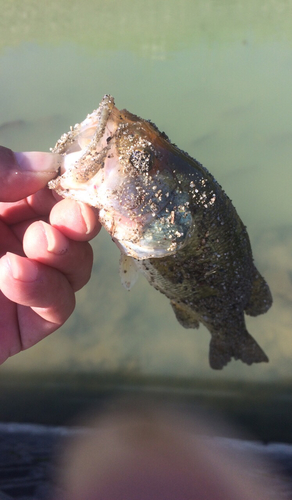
(242,346)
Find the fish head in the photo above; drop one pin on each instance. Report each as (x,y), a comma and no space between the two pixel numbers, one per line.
(140,182)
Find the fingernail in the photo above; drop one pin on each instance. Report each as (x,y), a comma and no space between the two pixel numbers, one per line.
(56,241)
(22,269)
(37,161)
(85,217)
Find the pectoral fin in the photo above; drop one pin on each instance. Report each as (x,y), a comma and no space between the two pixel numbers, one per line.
(128,271)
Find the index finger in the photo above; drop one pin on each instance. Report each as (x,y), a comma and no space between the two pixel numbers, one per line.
(22,174)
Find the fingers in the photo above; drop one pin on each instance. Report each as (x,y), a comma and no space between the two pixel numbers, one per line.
(10,341)
(29,283)
(75,219)
(38,290)
(20,327)
(39,204)
(35,301)
(48,245)
(22,174)
(8,241)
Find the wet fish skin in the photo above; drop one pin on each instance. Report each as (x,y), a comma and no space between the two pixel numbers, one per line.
(213,281)
(171,218)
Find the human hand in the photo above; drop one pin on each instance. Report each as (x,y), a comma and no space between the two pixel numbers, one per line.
(45,256)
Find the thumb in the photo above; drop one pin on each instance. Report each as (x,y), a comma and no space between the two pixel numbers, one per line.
(22,174)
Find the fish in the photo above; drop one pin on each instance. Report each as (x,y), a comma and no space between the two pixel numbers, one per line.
(172,222)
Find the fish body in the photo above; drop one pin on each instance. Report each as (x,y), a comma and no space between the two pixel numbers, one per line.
(172,221)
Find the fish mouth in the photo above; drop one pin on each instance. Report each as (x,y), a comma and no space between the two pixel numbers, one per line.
(86,145)
(89,131)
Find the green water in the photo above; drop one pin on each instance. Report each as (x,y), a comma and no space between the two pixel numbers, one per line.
(217,77)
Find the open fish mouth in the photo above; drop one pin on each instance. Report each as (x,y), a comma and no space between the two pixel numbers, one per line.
(84,150)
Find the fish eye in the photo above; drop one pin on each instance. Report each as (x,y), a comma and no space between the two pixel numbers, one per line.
(142,160)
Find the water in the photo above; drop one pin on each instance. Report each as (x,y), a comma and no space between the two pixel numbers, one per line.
(217,78)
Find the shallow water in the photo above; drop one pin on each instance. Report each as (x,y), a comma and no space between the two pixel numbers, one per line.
(217,78)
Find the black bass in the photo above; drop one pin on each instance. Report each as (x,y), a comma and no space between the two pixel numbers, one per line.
(172,221)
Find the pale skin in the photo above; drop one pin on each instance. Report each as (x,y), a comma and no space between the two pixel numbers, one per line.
(44,250)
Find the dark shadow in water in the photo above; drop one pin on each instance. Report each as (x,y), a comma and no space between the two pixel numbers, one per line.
(263,410)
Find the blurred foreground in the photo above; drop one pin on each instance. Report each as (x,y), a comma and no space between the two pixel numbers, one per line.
(137,449)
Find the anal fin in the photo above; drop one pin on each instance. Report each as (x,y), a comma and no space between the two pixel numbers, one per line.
(261,298)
